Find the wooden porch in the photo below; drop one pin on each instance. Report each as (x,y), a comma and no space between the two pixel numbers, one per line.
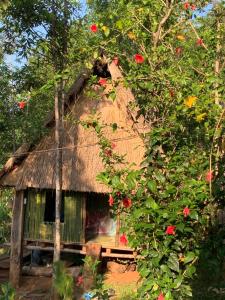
(79,248)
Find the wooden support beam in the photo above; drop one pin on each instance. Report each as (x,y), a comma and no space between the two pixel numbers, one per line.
(16,255)
(51,249)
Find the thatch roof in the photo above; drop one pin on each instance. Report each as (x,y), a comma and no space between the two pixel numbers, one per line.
(81,161)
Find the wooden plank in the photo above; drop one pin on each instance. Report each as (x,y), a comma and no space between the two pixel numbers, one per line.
(17,240)
(118,255)
(52,249)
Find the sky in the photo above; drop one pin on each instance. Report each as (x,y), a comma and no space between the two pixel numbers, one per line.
(15,62)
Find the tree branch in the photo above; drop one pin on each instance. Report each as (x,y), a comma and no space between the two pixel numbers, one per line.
(156,35)
(196,33)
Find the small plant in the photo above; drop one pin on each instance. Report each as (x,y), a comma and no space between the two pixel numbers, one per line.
(63,282)
(97,291)
(8,292)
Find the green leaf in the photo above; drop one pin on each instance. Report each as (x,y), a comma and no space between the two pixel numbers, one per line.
(144,271)
(119,24)
(152,186)
(107,32)
(178,281)
(168,296)
(194,215)
(150,203)
(173,262)
(114,126)
(189,257)
(112,95)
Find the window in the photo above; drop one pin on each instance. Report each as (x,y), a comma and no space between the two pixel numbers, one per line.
(49,215)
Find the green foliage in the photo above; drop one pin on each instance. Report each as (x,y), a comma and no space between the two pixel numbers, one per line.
(5,214)
(8,293)
(179,93)
(63,282)
(91,271)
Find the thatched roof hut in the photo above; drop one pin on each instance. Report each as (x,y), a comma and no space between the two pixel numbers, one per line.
(35,168)
(85,213)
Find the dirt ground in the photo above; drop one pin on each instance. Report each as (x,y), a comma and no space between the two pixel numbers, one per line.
(34,288)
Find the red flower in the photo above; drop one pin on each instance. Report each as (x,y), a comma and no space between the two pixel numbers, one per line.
(209,176)
(161,297)
(108,152)
(199,42)
(102,81)
(139,58)
(118,194)
(127,202)
(123,239)
(178,50)
(193,7)
(170,230)
(186,211)
(111,200)
(21,104)
(80,280)
(94,28)
(186,5)
(116,60)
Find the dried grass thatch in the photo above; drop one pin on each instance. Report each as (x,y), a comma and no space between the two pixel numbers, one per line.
(81,161)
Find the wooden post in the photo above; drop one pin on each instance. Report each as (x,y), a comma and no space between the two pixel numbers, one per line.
(16,255)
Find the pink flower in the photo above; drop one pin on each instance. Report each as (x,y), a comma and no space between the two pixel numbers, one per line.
(102,81)
(161,297)
(22,104)
(186,211)
(80,280)
(199,42)
(94,28)
(186,5)
(139,58)
(209,176)
(116,60)
(123,239)
(193,7)
(111,200)
(127,202)
(170,230)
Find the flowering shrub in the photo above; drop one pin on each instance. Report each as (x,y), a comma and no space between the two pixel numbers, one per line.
(169,63)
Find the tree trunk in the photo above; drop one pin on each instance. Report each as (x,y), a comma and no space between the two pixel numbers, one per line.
(58,171)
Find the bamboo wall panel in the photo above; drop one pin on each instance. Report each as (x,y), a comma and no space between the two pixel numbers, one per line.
(36,228)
